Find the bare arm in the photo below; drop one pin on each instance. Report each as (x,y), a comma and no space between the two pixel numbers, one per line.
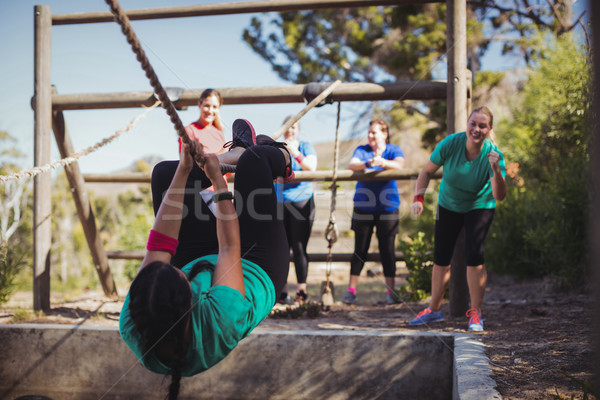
(421,187)
(498,182)
(309,163)
(396,163)
(168,218)
(357,165)
(228,270)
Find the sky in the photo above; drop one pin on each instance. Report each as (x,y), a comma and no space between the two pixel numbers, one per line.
(190,53)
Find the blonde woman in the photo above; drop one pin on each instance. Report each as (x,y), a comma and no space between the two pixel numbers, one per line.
(298,207)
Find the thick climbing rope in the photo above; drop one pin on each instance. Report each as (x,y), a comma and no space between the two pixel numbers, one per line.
(331,232)
(75,156)
(133,41)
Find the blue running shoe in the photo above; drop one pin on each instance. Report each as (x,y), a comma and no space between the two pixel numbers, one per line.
(426,316)
(349,298)
(242,134)
(475,321)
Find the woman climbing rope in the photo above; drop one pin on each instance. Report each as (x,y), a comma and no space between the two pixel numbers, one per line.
(183,321)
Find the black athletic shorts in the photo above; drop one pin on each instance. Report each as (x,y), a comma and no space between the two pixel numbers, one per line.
(447,227)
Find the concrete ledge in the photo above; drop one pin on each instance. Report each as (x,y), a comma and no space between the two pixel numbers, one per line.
(77,362)
(472,373)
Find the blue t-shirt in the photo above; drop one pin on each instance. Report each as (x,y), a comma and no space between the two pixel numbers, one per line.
(377,197)
(465,184)
(221,317)
(298,191)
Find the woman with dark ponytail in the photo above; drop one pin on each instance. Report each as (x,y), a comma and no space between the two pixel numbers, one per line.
(185,314)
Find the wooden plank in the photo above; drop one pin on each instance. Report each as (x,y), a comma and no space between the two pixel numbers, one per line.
(594,223)
(313,103)
(421,90)
(301,176)
(84,208)
(456,43)
(228,9)
(313,257)
(42,193)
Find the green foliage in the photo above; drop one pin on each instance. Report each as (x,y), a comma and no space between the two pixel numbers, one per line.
(587,388)
(519,23)
(354,45)
(418,251)
(540,228)
(487,79)
(12,260)
(418,255)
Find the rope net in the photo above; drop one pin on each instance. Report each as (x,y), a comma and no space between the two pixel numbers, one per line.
(75,156)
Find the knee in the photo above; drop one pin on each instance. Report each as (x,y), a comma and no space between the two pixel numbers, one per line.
(164,171)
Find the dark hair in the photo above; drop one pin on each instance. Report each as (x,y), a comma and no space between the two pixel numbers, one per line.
(159,302)
(384,127)
(486,111)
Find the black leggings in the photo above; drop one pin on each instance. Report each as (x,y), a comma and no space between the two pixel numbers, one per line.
(298,220)
(262,234)
(387,229)
(447,227)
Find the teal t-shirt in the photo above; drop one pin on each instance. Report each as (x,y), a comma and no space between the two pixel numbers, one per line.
(221,317)
(465,184)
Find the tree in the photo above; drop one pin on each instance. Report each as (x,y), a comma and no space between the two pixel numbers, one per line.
(517,23)
(13,193)
(542,223)
(13,203)
(379,44)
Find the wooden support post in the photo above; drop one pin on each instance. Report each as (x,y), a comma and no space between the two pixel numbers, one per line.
(594,228)
(82,203)
(42,206)
(456,43)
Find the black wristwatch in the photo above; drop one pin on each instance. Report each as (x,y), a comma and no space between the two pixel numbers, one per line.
(222,196)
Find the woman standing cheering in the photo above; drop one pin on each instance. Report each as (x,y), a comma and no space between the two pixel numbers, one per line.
(473,180)
(375,206)
(208,130)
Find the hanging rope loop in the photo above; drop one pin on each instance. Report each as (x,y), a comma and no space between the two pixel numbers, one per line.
(331,233)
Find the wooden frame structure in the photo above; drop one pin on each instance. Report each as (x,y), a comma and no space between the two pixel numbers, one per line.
(48,107)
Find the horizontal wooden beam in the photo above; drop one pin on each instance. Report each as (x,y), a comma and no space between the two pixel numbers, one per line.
(313,257)
(420,90)
(244,7)
(301,176)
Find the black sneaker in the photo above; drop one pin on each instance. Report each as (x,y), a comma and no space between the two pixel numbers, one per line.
(301,297)
(242,134)
(265,140)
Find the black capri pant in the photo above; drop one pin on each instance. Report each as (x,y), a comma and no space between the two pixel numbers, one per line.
(262,234)
(447,227)
(298,218)
(387,229)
